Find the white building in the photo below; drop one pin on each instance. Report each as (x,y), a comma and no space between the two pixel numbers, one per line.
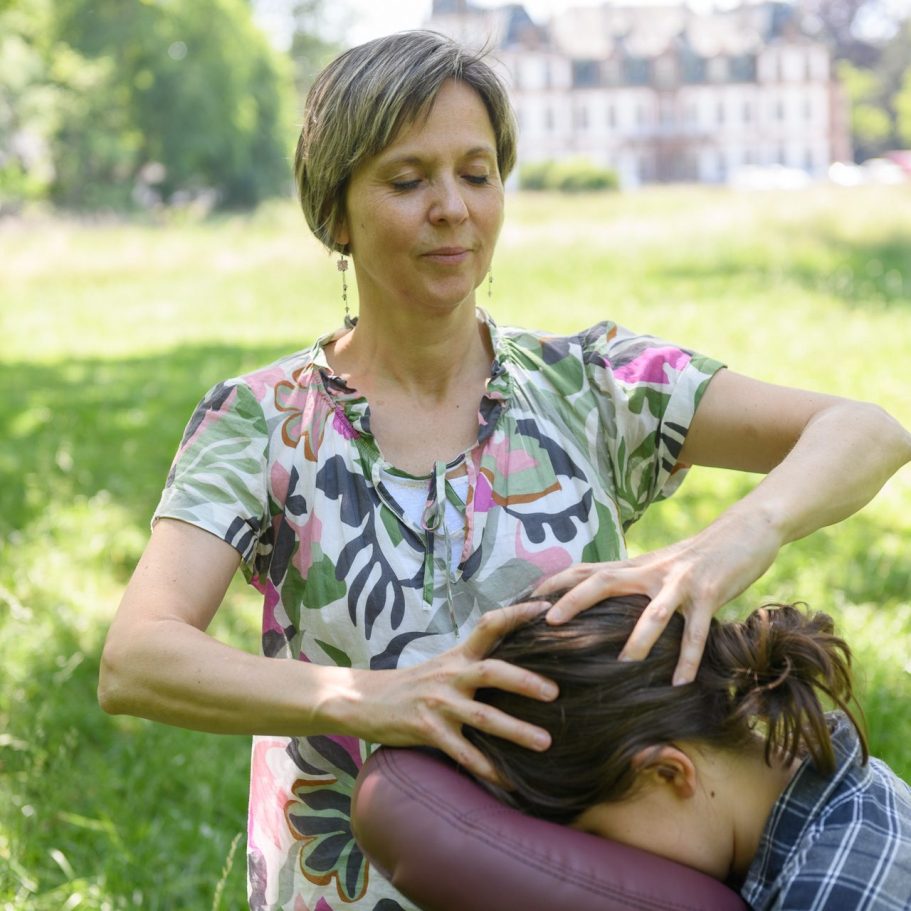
(663,93)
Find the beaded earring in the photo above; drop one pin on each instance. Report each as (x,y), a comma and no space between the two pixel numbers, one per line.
(342,266)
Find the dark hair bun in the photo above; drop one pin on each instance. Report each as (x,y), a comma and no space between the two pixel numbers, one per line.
(777,662)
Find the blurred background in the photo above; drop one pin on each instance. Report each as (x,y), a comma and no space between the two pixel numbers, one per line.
(733,177)
(132,106)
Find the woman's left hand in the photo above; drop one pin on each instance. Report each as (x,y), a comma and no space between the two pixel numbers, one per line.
(821,469)
(695,576)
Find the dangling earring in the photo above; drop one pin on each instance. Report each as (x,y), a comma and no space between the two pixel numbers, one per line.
(342,266)
(490,285)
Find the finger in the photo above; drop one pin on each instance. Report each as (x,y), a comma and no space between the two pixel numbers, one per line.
(502,675)
(564,579)
(695,634)
(596,587)
(649,627)
(471,758)
(496,624)
(571,576)
(497,723)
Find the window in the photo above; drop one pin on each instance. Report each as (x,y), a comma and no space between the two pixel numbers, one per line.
(692,68)
(636,71)
(743,68)
(586,74)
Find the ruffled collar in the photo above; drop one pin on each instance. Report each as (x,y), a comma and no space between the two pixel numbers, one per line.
(354,409)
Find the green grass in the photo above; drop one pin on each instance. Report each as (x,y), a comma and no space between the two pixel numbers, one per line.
(110,333)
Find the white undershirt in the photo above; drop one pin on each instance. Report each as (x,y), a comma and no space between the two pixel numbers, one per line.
(411,494)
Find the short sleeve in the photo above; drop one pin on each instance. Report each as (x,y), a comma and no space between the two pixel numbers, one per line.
(648,391)
(217,481)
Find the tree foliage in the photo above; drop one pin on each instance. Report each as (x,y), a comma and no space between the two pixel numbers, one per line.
(142,101)
(871,43)
(311,49)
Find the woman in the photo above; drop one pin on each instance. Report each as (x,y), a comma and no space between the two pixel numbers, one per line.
(739,773)
(390,486)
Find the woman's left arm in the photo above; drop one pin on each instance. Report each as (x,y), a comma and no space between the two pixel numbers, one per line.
(824,458)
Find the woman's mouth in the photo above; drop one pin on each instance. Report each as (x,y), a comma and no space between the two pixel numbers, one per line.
(447,256)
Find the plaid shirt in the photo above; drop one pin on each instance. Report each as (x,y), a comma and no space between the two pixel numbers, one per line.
(839,843)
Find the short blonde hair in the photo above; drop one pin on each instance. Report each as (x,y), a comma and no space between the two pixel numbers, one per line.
(361,101)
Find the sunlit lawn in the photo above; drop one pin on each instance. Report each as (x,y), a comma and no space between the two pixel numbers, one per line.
(110,333)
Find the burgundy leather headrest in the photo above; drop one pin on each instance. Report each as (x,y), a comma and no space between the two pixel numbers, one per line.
(449,845)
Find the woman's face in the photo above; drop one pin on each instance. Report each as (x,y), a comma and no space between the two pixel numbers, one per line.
(422,216)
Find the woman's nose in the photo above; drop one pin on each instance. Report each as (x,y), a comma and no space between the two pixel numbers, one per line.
(448,203)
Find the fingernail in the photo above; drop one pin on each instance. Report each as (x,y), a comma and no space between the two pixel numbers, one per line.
(549,691)
(542,741)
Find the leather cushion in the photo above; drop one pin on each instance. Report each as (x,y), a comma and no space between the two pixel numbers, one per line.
(449,845)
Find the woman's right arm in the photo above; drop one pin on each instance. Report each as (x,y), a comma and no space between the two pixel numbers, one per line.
(159,663)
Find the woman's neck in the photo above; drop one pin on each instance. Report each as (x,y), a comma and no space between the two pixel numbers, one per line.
(422,355)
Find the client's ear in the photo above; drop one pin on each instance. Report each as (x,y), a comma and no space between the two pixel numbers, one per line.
(666,766)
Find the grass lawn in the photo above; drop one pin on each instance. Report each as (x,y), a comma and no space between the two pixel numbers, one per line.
(110,333)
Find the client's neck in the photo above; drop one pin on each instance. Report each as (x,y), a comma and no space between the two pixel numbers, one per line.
(750,789)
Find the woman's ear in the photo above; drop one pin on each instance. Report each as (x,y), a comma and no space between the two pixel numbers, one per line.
(341,234)
(666,766)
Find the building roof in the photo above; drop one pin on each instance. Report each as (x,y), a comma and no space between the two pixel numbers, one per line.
(611,29)
(614,29)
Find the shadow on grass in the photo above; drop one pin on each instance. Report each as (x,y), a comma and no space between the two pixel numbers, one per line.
(876,272)
(859,273)
(88,425)
(122,812)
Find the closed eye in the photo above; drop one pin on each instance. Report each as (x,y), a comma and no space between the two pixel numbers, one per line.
(478,179)
(406,184)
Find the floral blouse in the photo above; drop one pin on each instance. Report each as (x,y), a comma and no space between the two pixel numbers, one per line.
(577,435)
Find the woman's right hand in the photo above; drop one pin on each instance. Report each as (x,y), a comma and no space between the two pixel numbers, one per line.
(427,704)
(160,663)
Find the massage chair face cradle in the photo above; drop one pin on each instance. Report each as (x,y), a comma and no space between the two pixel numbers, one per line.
(449,845)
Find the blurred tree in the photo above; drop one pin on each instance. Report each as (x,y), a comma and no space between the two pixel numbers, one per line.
(28,103)
(151,100)
(903,111)
(201,96)
(310,49)
(836,21)
(310,31)
(871,43)
(871,126)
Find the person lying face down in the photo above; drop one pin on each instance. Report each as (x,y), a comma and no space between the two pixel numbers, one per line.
(740,774)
